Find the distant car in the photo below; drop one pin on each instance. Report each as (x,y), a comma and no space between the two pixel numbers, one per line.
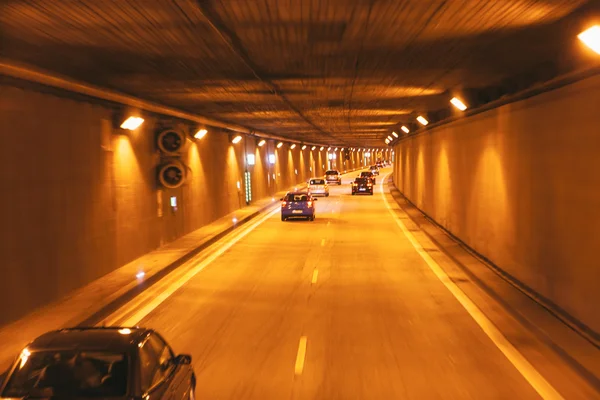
(374,169)
(95,363)
(333,176)
(368,175)
(362,185)
(318,186)
(298,205)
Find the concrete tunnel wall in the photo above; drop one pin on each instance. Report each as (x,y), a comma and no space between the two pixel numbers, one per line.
(520,184)
(80,200)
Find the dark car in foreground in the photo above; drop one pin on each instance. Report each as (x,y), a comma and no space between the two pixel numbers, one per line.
(298,205)
(368,175)
(97,363)
(362,185)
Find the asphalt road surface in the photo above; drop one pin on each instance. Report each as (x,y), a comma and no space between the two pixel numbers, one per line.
(339,308)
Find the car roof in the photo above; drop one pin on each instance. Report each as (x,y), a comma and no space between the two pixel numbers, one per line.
(299,192)
(95,338)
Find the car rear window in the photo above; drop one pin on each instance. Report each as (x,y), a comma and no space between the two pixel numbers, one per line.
(360,180)
(297,197)
(365,174)
(331,173)
(317,181)
(68,374)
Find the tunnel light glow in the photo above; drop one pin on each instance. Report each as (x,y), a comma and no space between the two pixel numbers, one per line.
(293,146)
(132,123)
(458,104)
(591,38)
(395,134)
(336,149)
(314,147)
(262,143)
(390,138)
(200,134)
(422,120)
(124,331)
(140,275)
(329,148)
(322,147)
(236,139)
(25,354)
(279,145)
(234,220)
(251,159)
(405,129)
(304,147)
(271,158)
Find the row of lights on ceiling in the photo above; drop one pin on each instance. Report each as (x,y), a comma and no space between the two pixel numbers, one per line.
(423,121)
(132,123)
(590,37)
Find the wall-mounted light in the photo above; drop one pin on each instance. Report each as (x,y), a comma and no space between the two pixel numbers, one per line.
(132,123)
(390,138)
(271,159)
(329,148)
(262,143)
(405,129)
(314,147)
(395,134)
(322,147)
(342,149)
(336,149)
(251,159)
(458,104)
(200,133)
(293,146)
(591,38)
(279,145)
(387,141)
(422,120)
(236,139)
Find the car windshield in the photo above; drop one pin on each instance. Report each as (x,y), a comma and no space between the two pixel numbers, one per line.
(317,182)
(331,173)
(365,174)
(297,197)
(68,374)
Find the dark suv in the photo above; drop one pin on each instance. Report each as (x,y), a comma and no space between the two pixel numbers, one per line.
(81,363)
(368,175)
(362,185)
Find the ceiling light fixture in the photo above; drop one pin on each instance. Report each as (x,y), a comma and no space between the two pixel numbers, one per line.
(236,139)
(395,134)
(591,38)
(390,138)
(422,120)
(458,104)
(405,129)
(322,147)
(304,147)
(293,146)
(262,143)
(132,123)
(201,133)
(314,147)
(279,145)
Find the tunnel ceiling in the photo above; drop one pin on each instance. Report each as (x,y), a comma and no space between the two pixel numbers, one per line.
(342,72)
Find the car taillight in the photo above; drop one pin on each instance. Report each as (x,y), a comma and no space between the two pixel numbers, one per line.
(369,184)
(283,203)
(310,203)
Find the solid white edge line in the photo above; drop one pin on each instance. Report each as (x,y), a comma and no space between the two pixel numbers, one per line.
(314,276)
(300,356)
(140,314)
(528,371)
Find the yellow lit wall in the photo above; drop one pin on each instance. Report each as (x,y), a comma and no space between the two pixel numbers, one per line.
(521,185)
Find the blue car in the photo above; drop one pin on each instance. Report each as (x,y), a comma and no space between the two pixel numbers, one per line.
(298,205)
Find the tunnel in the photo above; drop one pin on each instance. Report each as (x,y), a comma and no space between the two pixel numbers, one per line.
(154,150)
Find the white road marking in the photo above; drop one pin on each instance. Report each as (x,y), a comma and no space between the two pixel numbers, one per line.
(314,276)
(535,379)
(322,242)
(300,356)
(172,285)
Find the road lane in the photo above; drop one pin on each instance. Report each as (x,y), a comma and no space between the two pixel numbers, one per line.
(378,323)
